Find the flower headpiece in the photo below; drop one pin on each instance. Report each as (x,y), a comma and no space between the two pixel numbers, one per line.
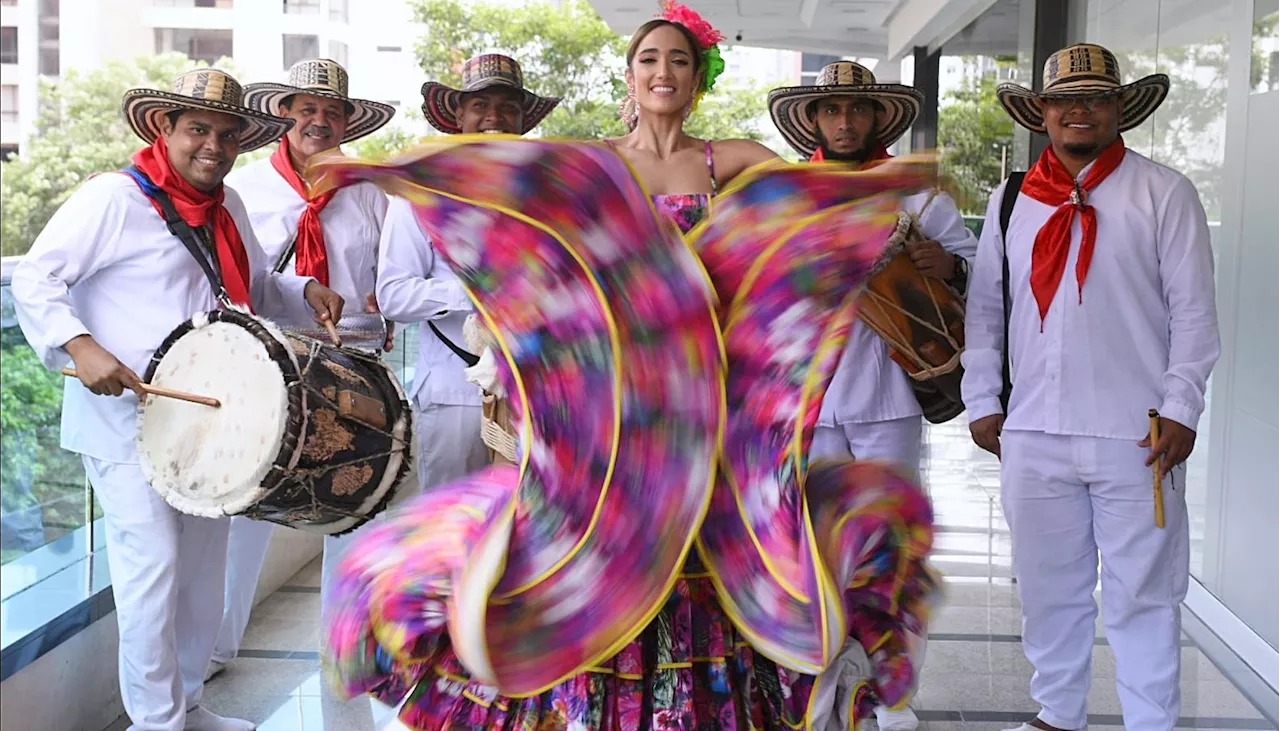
(707,36)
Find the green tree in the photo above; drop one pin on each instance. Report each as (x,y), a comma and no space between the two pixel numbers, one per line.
(569,52)
(974,132)
(79,132)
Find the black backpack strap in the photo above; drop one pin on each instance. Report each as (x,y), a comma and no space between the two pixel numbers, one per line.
(466,357)
(1011,189)
(287,254)
(182,231)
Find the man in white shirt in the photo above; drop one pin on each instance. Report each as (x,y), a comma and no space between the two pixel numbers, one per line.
(416,285)
(870,410)
(1111,313)
(332,238)
(103,285)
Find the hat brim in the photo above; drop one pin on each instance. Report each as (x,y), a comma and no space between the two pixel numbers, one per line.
(144,108)
(788,107)
(440,104)
(1139,100)
(365,117)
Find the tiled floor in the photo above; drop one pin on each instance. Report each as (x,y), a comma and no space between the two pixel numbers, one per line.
(975,676)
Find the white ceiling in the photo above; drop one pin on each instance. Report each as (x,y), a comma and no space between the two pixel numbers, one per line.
(869,28)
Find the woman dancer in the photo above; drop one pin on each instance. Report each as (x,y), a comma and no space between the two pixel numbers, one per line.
(688,667)
(672,62)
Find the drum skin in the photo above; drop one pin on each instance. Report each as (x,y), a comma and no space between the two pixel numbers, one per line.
(922,320)
(346,443)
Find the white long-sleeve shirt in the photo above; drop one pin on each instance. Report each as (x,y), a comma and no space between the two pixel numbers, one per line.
(352,225)
(107,266)
(415,285)
(1145,335)
(868,386)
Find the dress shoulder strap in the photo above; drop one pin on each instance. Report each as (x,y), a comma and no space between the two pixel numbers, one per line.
(711,167)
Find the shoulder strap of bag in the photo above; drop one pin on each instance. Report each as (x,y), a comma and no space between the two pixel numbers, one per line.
(182,230)
(466,357)
(287,254)
(1010,199)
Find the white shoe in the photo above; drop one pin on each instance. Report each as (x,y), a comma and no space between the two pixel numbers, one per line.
(900,720)
(202,719)
(215,668)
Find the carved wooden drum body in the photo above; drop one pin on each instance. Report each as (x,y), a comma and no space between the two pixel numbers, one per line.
(922,320)
(308,435)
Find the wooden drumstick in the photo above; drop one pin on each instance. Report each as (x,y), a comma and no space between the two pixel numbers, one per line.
(333,332)
(165,392)
(1158,478)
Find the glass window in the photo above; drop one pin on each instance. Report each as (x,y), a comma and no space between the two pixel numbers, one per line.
(42,487)
(9,104)
(338,52)
(338,11)
(8,44)
(975,136)
(302,7)
(194,3)
(1265,63)
(198,44)
(298,48)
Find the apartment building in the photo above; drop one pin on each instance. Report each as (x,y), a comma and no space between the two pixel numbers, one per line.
(47,38)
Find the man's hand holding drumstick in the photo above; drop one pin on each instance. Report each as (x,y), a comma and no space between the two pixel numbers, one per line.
(327,305)
(100,371)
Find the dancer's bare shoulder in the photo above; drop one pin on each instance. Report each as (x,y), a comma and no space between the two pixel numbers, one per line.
(734,156)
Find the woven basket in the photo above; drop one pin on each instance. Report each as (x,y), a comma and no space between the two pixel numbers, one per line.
(495,427)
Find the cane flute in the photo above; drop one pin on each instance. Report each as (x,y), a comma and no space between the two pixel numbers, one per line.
(1156,468)
(165,392)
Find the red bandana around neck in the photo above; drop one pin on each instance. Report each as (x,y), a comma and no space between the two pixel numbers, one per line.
(878,154)
(1050,183)
(312,258)
(200,209)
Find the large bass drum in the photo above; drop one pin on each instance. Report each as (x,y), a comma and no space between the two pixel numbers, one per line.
(308,435)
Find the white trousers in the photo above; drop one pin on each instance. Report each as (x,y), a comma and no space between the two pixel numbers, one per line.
(449,443)
(896,441)
(247,547)
(449,447)
(1069,500)
(166,574)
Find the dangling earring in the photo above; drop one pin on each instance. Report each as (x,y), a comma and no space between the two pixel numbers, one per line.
(628,111)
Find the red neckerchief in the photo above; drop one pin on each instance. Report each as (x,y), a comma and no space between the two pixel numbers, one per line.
(878,154)
(1050,183)
(200,209)
(312,257)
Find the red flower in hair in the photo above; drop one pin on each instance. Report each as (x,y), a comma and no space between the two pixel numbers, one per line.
(707,35)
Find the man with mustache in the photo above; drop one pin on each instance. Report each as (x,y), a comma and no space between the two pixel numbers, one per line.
(332,237)
(416,285)
(1108,311)
(104,284)
(870,410)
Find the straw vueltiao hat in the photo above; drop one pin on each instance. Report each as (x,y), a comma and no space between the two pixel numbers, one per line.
(789,106)
(440,103)
(1084,70)
(204,89)
(326,78)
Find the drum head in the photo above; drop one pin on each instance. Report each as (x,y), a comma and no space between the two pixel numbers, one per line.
(211,461)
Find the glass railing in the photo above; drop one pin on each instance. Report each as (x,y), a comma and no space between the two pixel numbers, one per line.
(43,492)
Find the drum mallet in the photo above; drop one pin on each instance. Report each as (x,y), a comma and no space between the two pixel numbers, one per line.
(165,392)
(1156,470)
(333,331)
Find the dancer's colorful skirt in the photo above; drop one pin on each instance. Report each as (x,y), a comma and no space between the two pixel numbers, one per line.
(664,556)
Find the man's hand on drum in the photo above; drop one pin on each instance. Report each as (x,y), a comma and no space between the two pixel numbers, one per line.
(100,371)
(371,306)
(932,260)
(986,432)
(326,302)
